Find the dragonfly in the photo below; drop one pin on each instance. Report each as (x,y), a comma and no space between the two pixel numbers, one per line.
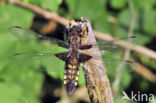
(73,58)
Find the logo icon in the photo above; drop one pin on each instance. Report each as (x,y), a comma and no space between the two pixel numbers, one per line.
(138,96)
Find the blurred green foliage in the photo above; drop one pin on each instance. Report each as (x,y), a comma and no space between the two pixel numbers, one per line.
(21,84)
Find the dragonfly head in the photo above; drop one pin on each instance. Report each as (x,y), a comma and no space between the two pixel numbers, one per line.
(76,32)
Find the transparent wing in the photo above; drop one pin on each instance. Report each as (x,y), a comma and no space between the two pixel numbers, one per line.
(26,35)
(112,46)
(36,60)
(112,64)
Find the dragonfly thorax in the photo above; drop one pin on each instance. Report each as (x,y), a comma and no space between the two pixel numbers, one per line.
(75,40)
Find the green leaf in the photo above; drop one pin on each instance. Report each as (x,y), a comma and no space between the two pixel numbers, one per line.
(34,2)
(6,48)
(14,15)
(126,79)
(28,80)
(148,61)
(10,93)
(143,39)
(102,23)
(144,4)
(124,22)
(94,11)
(149,23)
(118,3)
(52,5)
(124,19)
(85,8)
(81,81)
(144,85)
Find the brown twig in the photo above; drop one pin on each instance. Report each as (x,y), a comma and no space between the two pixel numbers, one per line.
(136,48)
(146,73)
(63,21)
(119,69)
(97,81)
(46,14)
(49,27)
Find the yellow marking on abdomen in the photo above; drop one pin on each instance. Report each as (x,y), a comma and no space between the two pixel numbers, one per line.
(69,71)
(65,82)
(74,66)
(77,78)
(69,76)
(65,77)
(75,83)
(69,66)
(77,72)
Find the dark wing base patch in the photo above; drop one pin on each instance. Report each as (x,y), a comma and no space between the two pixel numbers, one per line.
(62,56)
(84,57)
(85,47)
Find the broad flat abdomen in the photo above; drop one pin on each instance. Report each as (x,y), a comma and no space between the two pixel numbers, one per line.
(71,75)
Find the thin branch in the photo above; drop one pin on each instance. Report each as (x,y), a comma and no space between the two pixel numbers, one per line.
(127,51)
(63,21)
(146,73)
(136,48)
(46,14)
